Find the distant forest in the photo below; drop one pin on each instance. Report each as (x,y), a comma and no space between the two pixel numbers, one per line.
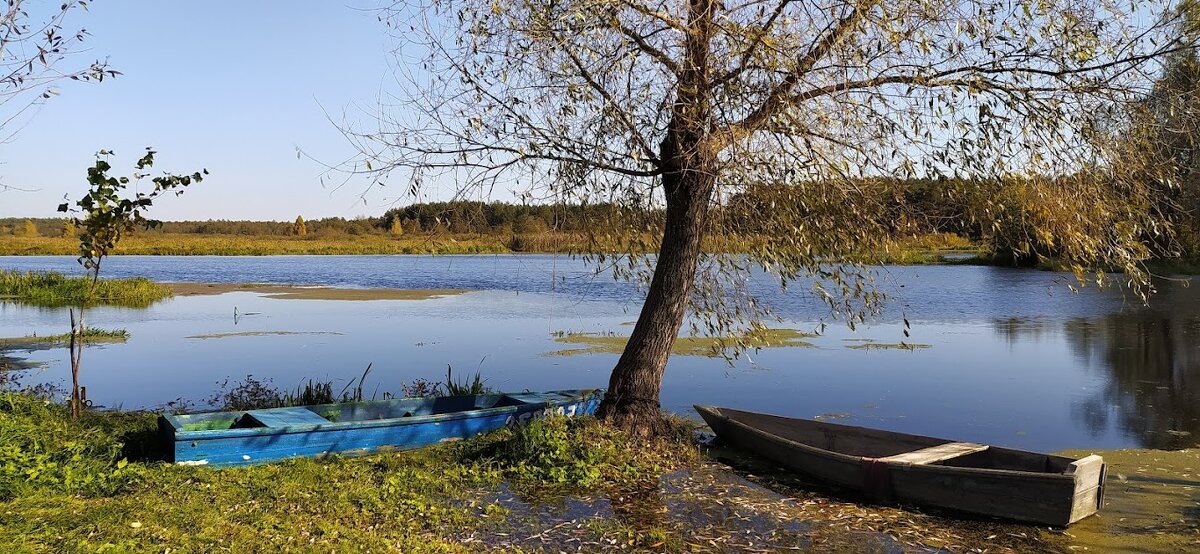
(892,208)
(920,206)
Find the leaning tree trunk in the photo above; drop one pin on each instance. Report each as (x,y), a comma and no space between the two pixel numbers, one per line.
(688,167)
(632,401)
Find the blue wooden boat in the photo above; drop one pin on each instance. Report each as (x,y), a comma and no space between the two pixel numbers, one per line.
(357,428)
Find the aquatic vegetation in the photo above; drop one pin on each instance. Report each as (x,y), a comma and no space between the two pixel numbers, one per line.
(871,345)
(252,393)
(612,343)
(91,334)
(1150,502)
(53,289)
(472,385)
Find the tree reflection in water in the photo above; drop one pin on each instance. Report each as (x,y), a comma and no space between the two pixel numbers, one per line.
(1151,359)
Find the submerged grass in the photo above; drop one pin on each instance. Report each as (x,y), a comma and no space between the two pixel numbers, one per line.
(52,289)
(870,345)
(597,343)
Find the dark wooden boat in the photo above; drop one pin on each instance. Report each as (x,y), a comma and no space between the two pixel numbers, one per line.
(889,466)
(356,428)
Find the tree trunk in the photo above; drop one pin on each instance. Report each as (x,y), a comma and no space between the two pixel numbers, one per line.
(688,177)
(631,401)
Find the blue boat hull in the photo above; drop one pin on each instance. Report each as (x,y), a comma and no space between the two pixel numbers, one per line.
(258,436)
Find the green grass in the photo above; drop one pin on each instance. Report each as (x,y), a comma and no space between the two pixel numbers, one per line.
(52,289)
(70,486)
(91,334)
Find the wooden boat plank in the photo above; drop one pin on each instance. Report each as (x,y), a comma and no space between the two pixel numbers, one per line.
(281,417)
(830,466)
(1086,503)
(1038,498)
(1086,469)
(934,454)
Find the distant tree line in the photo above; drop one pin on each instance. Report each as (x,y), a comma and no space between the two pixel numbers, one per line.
(912,206)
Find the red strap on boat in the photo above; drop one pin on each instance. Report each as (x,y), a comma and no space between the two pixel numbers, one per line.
(877,479)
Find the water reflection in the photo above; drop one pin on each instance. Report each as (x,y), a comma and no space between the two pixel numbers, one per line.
(1148,358)
(1152,357)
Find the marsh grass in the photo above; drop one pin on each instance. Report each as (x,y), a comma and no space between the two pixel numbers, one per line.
(91,334)
(55,290)
(243,245)
(472,385)
(915,249)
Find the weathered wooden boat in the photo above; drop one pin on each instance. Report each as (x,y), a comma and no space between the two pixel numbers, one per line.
(898,467)
(357,428)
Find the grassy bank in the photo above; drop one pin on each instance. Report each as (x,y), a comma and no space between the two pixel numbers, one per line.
(923,249)
(91,485)
(78,486)
(53,289)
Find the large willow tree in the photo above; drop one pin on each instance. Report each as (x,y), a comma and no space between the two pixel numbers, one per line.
(764,120)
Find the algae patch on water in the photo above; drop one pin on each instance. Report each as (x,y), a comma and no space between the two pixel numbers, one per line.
(870,344)
(612,343)
(1151,504)
(291,292)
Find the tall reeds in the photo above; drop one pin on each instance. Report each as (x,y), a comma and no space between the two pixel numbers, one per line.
(52,289)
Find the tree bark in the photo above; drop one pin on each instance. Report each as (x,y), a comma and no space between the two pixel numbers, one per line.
(631,401)
(688,179)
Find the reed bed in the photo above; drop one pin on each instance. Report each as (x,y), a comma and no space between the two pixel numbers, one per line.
(53,289)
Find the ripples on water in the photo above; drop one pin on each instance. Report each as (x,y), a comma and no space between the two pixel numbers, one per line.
(1016,359)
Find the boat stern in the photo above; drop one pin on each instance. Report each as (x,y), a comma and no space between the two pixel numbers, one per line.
(1089,473)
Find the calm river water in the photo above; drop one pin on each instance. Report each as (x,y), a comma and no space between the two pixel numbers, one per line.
(1015,358)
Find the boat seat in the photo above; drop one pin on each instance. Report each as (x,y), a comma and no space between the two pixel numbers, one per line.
(934,454)
(279,417)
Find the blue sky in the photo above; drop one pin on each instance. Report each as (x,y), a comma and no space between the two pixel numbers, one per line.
(234,87)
